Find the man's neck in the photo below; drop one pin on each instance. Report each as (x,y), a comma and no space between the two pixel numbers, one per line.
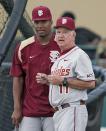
(44,40)
(67,47)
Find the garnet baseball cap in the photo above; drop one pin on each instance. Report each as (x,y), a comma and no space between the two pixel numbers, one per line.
(41,13)
(66,22)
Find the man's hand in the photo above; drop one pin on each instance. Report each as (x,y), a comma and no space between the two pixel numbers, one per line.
(55,79)
(16,117)
(42,78)
(46,79)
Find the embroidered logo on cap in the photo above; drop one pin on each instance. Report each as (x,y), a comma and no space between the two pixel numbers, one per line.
(40,12)
(64,21)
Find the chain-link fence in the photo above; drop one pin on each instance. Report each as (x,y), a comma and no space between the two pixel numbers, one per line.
(6,100)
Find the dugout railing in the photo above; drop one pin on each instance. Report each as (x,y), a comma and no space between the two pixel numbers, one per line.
(96,100)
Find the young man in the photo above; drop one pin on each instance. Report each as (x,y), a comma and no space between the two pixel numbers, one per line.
(71,76)
(32,111)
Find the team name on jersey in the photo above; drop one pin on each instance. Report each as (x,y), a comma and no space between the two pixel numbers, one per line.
(61,72)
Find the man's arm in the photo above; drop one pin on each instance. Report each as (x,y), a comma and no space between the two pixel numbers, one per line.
(17,94)
(17,91)
(58,80)
(72,82)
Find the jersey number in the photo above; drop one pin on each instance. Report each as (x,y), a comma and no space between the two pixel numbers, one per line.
(64,89)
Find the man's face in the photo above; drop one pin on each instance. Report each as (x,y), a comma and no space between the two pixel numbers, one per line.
(43,27)
(64,37)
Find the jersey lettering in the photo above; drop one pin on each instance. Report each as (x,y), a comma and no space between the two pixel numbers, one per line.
(61,72)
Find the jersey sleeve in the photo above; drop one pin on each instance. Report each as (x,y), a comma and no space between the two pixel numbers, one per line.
(16,67)
(83,69)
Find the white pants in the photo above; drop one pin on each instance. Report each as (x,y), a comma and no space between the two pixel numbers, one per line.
(73,118)
(36,124)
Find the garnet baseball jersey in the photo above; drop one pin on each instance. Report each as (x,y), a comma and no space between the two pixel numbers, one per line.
(74,63)
(30,58)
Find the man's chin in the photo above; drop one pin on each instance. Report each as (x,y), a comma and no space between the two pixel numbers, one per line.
(61,44)
(42,34)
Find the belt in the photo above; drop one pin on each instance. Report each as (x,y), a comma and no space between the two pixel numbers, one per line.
(65,105)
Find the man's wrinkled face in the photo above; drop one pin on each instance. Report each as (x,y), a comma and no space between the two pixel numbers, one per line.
(64,37)
(43,27)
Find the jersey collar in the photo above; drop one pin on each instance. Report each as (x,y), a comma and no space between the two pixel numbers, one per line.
(64,52)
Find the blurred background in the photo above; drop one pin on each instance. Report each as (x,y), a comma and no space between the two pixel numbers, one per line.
(16,25)
(89,13)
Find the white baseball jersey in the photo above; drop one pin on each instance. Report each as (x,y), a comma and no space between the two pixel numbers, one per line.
(77,64)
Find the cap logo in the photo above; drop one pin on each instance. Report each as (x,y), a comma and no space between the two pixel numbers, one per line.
(64,21)
(40,12)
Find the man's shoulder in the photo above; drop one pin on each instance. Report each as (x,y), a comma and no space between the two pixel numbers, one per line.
(24,44)
(27,42)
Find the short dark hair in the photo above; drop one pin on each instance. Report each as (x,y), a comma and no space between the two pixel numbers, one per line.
(69,14)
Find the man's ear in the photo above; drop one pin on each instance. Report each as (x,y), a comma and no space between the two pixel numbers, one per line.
(51,22)
(74,33)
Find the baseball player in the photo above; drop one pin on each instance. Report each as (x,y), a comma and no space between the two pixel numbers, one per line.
(71,76)
(32,111)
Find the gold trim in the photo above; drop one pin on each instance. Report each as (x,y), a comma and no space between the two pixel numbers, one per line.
(24,44)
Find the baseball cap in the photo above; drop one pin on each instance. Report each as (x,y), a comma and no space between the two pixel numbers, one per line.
(66,22)
(41,13)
